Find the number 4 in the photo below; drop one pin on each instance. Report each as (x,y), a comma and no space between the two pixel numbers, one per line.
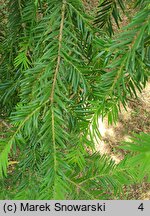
(141,207)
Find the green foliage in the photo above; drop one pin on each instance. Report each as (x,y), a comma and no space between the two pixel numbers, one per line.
(127,65)
(59,73)
(109,11)
(140,146)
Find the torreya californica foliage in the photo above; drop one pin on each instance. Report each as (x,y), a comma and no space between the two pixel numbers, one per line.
(60,70)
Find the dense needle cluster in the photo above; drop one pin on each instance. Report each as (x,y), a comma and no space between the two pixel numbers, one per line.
(60,70)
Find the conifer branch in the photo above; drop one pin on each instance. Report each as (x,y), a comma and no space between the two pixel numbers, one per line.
(78,186)
(53,87)
(59,50)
